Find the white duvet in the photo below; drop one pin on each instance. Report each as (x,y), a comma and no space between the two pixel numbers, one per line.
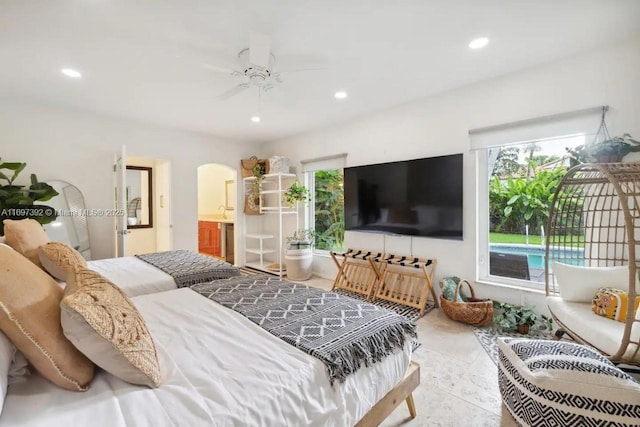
(219,369)
(133,276)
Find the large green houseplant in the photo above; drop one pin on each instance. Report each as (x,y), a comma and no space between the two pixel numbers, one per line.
(19,201)
(608,150)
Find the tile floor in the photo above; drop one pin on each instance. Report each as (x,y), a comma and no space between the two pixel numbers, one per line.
(458,381)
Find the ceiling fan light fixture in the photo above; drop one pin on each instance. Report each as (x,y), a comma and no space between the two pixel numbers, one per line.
(479,43)
(255,119)
(341,94)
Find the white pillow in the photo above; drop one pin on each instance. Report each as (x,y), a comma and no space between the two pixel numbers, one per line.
(579,284)
(6,356)
(2,239)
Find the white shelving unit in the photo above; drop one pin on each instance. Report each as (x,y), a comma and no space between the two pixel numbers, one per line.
(265,234)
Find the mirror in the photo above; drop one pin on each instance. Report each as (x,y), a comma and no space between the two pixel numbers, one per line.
(139,196)
(230,194)
(70,226)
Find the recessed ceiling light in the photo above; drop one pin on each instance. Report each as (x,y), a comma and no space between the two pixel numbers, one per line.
(340,94)
(255,119)
(70,72)
(479,42)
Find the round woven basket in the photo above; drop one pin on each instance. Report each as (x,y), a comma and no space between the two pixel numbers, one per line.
(474,311)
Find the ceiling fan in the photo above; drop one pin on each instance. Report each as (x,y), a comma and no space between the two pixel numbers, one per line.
(256,67)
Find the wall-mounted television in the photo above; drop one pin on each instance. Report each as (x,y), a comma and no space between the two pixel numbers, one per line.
(420,197)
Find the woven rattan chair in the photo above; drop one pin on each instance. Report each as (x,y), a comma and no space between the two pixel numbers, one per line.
(594,222)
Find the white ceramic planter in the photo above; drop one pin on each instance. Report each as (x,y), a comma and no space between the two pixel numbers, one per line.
(299,263)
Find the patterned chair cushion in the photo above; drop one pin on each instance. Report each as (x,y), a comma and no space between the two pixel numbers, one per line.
(612,303)
(559,383)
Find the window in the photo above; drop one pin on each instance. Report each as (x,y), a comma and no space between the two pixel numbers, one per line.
(325,213)
(516,184)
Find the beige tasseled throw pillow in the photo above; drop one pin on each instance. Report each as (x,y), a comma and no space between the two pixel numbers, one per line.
(25,236)
(30,318)
(103,323)
(60,259)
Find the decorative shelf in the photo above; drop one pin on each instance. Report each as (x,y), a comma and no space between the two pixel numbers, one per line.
(277,222)
(260,251)
(260,236)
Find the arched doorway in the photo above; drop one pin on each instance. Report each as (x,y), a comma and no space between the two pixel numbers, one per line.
(217,211)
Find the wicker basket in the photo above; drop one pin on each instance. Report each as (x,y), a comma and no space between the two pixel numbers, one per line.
(475,311)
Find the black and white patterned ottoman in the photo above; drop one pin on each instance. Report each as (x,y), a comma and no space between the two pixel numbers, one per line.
(552,383)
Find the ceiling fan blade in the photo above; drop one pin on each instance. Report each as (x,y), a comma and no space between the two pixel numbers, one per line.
(259,49)
(219,69)
(304,69)
(233,91)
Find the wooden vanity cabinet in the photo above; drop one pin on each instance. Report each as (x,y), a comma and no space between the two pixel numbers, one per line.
(209,238)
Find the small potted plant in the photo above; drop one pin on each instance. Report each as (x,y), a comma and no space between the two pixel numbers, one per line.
(511,317)
(609,150)
(301,239)
(299,256)
(296,193)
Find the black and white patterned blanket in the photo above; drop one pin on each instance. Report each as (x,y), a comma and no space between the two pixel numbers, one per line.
(342,332)
(188,268)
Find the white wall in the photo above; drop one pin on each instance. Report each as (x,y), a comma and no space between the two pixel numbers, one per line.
(439,125)
(79,148)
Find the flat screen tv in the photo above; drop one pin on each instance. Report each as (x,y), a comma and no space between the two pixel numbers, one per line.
(421,197)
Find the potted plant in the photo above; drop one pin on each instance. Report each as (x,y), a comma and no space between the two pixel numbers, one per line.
(511,317)
(301,239)
(299,256)
(18,201)
(609,150)
(296,193)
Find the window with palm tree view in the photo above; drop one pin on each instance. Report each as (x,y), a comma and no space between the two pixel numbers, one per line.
(522,182)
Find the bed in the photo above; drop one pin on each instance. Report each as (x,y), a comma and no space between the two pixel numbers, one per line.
(219,368)
(135,276)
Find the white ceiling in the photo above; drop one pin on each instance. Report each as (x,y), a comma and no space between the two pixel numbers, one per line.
(144,59)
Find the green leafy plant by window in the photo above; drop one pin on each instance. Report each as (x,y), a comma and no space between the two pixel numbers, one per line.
(18,201)
(517,202)
(296,193)
(329,210)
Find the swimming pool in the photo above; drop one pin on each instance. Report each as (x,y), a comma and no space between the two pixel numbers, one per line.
(535,253)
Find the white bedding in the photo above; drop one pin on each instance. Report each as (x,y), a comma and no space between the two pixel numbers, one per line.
(133,276)
(220,369)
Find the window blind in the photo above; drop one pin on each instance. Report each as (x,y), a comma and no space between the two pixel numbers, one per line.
(336,161)
(555,126)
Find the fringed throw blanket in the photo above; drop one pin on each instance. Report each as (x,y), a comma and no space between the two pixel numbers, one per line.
(188,268)
(342,332)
